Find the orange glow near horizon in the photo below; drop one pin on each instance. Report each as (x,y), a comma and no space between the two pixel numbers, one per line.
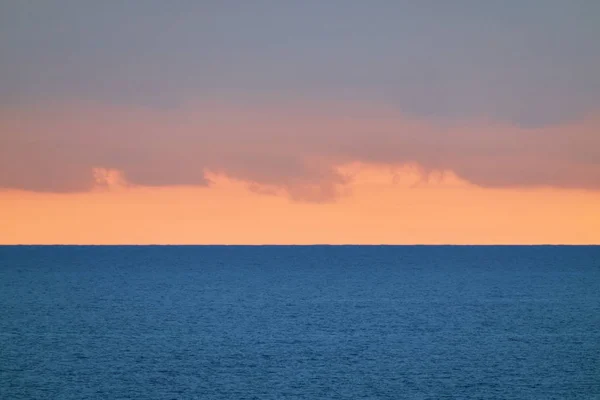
(379,206)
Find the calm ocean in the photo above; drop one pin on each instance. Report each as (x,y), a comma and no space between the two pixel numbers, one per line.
(314,322)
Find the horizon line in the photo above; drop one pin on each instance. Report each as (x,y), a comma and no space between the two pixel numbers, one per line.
(299,245)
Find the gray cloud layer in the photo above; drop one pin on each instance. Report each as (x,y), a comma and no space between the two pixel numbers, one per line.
(528,62)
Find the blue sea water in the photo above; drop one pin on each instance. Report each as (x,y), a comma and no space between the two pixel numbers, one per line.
(315,322)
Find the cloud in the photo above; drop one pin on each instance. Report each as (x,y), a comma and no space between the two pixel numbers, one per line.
(292,148)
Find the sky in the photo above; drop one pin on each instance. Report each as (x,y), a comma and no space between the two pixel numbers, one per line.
(270,122)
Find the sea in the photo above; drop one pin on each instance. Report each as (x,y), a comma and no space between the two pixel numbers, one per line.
(299,322)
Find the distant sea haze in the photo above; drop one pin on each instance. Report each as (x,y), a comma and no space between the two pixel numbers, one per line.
(299,322)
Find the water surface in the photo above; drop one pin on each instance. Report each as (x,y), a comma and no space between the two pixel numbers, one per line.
(315,322)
